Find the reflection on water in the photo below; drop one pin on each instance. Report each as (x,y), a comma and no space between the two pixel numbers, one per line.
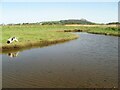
(88,62)
(13,54)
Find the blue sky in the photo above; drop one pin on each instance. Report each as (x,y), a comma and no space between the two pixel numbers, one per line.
(19,12)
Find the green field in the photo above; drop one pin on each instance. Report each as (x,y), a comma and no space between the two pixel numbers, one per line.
(30,34)
(33,33)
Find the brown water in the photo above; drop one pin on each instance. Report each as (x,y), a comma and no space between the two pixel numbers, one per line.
(88,62)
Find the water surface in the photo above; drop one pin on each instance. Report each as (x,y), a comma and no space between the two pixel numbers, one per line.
(90,61)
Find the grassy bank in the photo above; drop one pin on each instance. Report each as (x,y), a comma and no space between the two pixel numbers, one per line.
(33,35)
(105,30)
(97,29)
(41,35)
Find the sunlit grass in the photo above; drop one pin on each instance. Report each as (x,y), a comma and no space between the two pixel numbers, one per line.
(36,33)
(28,33)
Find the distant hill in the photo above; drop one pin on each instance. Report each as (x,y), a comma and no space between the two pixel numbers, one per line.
(61,22)
(69,21)
(76,21)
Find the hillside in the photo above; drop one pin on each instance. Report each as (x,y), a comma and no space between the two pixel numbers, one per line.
(69,21)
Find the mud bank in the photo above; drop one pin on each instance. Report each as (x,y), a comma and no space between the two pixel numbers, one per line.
(101,33)
(28,45)
(108,34)
(105,33)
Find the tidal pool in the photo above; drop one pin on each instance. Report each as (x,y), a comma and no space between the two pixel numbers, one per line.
(91,61)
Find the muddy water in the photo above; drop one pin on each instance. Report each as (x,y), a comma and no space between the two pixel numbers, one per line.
(90,61)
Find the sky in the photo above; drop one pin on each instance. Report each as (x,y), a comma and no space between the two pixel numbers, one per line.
(30,12)
(60,0)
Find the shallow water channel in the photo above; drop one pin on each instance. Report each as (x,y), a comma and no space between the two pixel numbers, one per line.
(91,61)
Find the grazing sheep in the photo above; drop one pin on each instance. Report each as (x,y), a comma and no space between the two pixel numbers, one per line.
(12,39)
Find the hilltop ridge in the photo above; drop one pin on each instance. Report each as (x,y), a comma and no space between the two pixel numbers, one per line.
(69,21)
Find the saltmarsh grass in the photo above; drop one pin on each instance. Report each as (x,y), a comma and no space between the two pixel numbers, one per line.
(31,34)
